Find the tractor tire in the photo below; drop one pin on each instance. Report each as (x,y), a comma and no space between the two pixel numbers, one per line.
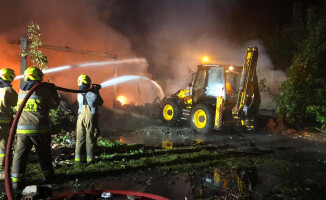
(170,112)
(202,119)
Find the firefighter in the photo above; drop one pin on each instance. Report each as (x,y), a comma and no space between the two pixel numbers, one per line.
(87,123)
(33,127)
(8,99)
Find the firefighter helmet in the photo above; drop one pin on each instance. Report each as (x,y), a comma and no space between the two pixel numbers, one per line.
(7,74)
(33,74)
(83,79)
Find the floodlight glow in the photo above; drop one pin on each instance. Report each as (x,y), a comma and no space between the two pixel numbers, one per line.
(205,59)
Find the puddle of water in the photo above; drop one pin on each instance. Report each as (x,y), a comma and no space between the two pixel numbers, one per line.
(175,137)
(165,138)
(219,183)
(256,183)
(303,175)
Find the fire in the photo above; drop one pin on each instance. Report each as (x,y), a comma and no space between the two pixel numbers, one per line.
(122,99)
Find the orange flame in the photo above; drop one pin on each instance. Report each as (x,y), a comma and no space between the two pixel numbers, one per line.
(122,99)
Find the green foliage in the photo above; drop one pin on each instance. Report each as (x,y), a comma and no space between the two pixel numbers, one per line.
(3,195)
(63,138)
(36,55)
(62,118)
(303,95)
(75,183)
(319,112)
(107,143)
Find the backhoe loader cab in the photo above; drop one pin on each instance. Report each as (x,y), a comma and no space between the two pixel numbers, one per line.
(214,81)
(220,95)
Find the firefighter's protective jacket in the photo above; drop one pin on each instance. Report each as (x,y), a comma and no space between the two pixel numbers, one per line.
(34,118)
(8,99)
(93,100)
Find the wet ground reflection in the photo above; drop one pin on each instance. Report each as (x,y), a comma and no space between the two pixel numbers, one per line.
(233,183)
(288,167)
(179,164)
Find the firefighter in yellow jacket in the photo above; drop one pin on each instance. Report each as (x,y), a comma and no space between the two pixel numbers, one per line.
(8,99)
(87,126)
(33,127)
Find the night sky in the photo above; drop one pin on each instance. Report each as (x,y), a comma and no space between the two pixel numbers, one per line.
(236,20)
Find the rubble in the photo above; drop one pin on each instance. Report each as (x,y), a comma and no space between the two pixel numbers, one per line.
(116,119)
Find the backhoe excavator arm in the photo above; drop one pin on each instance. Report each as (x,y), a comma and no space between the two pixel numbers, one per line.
(248,99)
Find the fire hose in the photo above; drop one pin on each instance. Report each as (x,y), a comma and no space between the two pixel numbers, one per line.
(114,192)
(95,87)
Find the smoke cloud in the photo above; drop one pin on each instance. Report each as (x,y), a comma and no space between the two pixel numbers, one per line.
(77,24)
(9,57)
(171,35)
(178,34)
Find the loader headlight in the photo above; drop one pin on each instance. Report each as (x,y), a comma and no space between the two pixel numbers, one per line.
(205,59)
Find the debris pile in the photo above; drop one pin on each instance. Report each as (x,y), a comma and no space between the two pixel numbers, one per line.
(111,120)
(149,109)
(63,146)
(275,125)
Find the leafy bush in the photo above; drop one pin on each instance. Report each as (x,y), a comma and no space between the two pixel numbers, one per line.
(62,119)
(303,95)
(107,143)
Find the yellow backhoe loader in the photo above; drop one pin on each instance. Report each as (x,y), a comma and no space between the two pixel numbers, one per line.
(221,95)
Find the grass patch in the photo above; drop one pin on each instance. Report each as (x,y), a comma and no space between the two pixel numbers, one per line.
(115,158)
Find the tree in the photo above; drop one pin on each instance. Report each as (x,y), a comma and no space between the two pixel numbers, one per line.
(303,94)
(37,57)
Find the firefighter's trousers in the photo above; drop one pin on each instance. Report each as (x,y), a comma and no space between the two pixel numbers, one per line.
(85,137)
(42,143)
(4,133)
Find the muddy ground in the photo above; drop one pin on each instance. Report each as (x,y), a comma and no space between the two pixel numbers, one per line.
(262,165)
(179,164)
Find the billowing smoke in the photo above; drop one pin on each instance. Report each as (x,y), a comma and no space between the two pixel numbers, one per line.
(224,53)
(76,24)
(9,56)
(171,35)
(178,34)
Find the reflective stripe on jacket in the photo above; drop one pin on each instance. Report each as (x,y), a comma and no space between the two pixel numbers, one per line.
(33,129)
(16,177)
(8,99)
(2,154)
(34,118)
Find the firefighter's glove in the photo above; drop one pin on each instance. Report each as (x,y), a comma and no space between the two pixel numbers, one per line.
(52,87)
(96,88)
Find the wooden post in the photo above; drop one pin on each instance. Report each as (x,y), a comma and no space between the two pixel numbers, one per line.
(23,59)
(115,86)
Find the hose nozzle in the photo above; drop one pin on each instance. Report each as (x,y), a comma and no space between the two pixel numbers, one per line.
(96,87)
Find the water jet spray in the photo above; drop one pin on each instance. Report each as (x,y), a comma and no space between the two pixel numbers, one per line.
(91,64)
(123,79)
(112,62)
